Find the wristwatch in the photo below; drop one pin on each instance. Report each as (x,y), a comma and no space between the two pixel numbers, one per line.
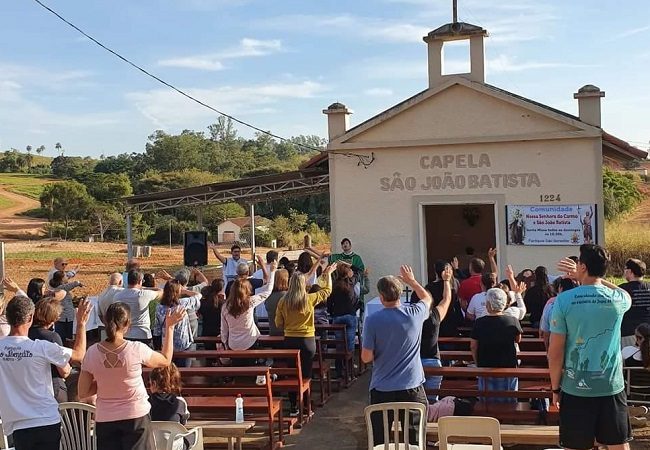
(556,391)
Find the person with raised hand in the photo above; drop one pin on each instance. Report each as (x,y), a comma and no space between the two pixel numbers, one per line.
(516,307)
(584,355)
(27,404)
(295,315)
(391,341)
(443,294)
(112,370)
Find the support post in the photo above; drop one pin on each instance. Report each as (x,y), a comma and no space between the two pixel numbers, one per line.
(199,218)
(129,237)
(2,265)
(252,234)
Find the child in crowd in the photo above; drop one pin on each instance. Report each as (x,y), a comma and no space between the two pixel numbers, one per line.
(165,398)
(167,405)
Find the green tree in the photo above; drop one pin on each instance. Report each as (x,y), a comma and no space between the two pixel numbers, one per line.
(107,218)
(153,181)
(108,187)
(189,150)
(71,167)
(66,201)
(59,148)
(40,149)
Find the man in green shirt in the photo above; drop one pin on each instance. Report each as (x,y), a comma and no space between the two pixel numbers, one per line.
(347,256)
(584,355)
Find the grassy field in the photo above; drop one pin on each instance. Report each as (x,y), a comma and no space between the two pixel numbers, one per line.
(6,203)
(25,184)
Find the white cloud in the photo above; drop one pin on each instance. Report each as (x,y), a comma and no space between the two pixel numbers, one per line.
(511,21)
(378,92)
(167,110)
(413,69)
(632,32)
(50,79)
(504,63)
(247,47)
(367,28)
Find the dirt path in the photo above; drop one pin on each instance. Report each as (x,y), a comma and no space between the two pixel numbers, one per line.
(14,226)
(641,214)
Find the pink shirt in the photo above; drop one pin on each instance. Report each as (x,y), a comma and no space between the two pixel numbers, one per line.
(121,393)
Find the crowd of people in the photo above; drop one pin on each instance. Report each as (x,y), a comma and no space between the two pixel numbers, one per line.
(583,318)
(147,316)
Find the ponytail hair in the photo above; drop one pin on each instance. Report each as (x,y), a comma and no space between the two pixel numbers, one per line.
(118,318)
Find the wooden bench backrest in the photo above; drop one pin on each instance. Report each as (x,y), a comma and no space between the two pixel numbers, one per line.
(243,380)
(292,356)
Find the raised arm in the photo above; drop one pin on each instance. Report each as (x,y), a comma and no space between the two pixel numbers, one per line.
(265,272)
(200,276)
(322,295)
(492,257)
(215,250)
(443,306)
(164,358)
(314,252)
(79,347)
(407,277)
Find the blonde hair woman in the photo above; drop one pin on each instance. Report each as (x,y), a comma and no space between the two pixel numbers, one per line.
(295,314)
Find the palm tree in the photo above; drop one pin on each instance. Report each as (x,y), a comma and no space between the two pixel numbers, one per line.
(28,148)
(59,148)
(40,149)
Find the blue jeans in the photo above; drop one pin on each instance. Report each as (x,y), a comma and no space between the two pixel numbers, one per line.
(498,384)
(350,322)
(432,382)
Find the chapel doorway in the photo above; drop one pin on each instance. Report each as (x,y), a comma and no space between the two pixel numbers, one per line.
(461,230)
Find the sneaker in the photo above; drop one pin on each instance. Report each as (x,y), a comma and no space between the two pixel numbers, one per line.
(294,412)
(260,380)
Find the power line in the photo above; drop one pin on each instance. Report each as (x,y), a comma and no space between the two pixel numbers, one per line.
(171,86)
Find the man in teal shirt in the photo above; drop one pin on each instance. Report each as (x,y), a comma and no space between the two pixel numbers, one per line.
(585,355)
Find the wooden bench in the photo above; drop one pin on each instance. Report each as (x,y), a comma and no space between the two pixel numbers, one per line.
(462,343)
(335,346)
(511,435)
(534,383)
(286,365)
(321,365)
(535,359)
(266,341)
(321,368)
(209,398)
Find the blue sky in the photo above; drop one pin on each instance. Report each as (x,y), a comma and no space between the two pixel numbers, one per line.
(278,63)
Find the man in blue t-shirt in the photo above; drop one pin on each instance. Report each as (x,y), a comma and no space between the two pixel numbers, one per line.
(391,341)
(585,355)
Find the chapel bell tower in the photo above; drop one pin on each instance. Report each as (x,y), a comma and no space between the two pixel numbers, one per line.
(456,31)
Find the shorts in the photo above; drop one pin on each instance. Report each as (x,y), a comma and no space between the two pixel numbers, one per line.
(585,420)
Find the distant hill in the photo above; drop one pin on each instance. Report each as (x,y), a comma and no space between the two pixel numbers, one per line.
(26,184)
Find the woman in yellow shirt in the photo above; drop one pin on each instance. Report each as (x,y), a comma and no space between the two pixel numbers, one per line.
(295,314)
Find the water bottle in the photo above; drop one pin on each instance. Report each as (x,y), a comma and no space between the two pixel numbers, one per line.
(239,409)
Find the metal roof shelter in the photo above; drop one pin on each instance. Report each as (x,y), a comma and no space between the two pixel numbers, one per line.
(306,181)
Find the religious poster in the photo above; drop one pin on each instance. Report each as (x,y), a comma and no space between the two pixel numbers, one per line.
(551,225)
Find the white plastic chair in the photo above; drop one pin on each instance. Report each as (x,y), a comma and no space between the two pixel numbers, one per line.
(397,409)
(77,426)
(172,435)
(469,427)
(4,443)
